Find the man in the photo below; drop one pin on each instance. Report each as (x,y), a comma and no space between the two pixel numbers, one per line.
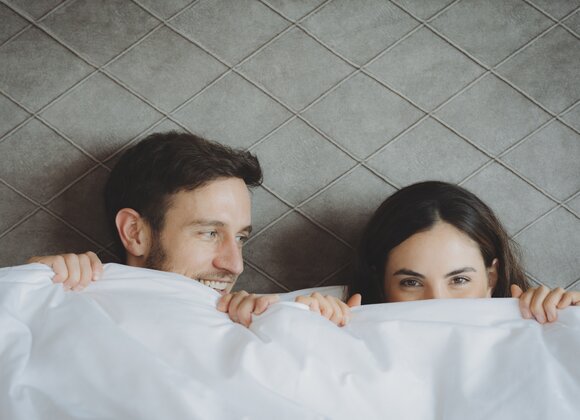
(180,203)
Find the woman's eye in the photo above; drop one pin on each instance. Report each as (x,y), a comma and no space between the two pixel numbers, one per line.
(460,280)
(410,283)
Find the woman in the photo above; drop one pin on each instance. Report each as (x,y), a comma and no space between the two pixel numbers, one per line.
(438,240)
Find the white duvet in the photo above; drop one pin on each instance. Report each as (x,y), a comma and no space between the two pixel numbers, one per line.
(141,344)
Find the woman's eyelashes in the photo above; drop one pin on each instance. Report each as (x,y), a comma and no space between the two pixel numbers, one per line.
(410,283)
(461,280)
(454,281)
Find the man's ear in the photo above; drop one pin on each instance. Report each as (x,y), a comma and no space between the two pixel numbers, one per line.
(134,233)
(492,273)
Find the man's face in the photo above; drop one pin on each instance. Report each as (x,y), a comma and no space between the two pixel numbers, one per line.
(203,234)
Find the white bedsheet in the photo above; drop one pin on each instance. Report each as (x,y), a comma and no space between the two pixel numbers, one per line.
(140,344)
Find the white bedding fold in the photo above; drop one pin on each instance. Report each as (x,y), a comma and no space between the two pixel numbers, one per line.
(141,344)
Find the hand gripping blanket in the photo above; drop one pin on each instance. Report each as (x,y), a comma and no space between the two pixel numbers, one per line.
(142,344)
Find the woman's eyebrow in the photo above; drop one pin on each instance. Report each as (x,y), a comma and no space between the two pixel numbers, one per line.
(407,272)
(461,270)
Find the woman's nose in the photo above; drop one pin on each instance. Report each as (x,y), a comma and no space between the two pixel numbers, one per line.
(438,292)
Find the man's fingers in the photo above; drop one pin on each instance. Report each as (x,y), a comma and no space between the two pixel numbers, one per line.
(354,300)
(223,304)
(58,265)
(86,272)
(245,309)
(74,271)
(96,265)
(234,303)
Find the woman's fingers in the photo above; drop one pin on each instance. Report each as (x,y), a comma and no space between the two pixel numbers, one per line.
(309,301)
(525,302)
(329,307)
(551,302)
(263,302)
(337,316)
(516,291)
(571,298)
(537,303)
(326,309)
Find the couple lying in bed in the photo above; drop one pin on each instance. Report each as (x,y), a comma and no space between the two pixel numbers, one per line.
(180,203)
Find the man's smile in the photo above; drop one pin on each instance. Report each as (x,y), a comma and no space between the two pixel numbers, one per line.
(217,285)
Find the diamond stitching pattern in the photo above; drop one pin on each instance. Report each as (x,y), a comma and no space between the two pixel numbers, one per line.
(342,108)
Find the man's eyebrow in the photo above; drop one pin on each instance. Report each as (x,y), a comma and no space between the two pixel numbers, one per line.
(203,222)
(461,270)
(216,223)
(407,272)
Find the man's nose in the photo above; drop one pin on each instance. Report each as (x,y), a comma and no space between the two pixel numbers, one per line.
(229,257)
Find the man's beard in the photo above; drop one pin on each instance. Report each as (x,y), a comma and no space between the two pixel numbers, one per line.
(157,258)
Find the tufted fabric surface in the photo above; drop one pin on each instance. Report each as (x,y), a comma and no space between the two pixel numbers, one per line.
(343,101)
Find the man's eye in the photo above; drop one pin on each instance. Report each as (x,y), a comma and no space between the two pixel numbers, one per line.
(460,280)
(211,234)
(410,283)
(242,239)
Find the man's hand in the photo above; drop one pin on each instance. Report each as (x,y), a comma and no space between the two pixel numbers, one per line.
(75,271)
(542,303)
(330,307)
(241,305)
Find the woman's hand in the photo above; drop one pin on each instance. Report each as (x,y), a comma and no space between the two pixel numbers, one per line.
(330,307)
(542,303)
(74,271)
(241,305)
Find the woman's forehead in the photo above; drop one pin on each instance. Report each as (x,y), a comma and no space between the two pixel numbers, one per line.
(443,246)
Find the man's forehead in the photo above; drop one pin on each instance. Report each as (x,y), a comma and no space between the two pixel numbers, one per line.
(225,201)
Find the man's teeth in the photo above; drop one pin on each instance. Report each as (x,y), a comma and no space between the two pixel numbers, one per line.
(217,285)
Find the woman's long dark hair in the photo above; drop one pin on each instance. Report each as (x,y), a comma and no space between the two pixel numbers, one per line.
(417,208)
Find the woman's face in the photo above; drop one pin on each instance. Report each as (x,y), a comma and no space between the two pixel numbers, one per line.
(439,263)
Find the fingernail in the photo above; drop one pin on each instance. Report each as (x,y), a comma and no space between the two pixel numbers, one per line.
(527,315)
(541,319)
(96,277)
